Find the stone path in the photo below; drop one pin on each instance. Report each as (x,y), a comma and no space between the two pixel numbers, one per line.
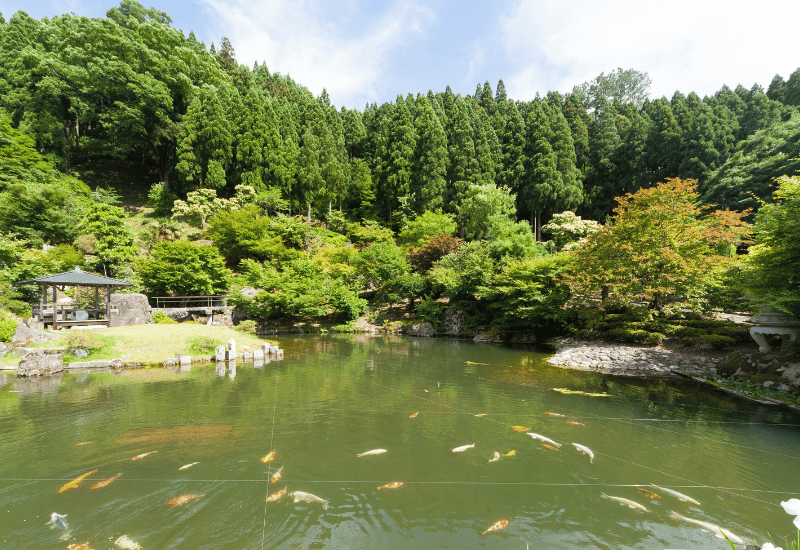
(625,359)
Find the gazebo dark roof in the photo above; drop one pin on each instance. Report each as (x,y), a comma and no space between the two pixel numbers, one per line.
(75,277)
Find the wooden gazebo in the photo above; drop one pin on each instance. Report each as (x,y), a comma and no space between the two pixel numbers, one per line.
(66,315)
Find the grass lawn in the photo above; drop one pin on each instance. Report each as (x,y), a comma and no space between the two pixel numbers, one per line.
(151,344)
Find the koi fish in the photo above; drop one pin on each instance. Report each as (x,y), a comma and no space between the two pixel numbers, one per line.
(474,363)
(545,439)
(81,546)
(680,496)
(573,423)
(495,457)
(552,414)
(126,543)
(373,452)
(101,484)
(565,391)
(269,458)
(586,450)
(75,482)
(392,485)
(183,499)
(58,521)
(463,448)
(186,466)
(512,452)
(519,428)
(308,497)
(648,494)
(626,502)
(84,443)
(480,415)
(276,496)
(546,446)
(414,415)
(141,456)
(502,524)
(718,531)
(276,477)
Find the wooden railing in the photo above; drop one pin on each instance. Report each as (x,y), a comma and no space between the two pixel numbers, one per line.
(169,302)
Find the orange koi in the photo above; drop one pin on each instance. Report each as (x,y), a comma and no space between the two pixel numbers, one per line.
(141,456)
(270,457)
(103,483)
(75,482)
(495,457)
(648,494)
(84,443)
(392,485)
(276,496)
(81,546)
(573,423)
(183,499)
(276,477)
(414,415)
(502,524)
(512,452)
(519,428)
(480,415)
(546,446)
(553,414)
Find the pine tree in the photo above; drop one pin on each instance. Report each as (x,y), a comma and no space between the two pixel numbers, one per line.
(570,192)
(542,179)
(430,173)
(663,147)
(463,170)
(500,95)
(513,148)
(399,161)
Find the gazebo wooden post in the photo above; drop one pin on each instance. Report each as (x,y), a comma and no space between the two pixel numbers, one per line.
(55,308)
(108,306)
(42,303)
(96,301)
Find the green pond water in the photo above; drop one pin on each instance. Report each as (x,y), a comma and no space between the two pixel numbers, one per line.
(334,397)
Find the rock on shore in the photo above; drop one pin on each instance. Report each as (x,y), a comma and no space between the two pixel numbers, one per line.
(623,359)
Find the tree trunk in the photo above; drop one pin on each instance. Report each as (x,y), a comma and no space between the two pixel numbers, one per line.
(309,211)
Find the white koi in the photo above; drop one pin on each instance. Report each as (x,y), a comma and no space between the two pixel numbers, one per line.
(718,531)
(680,496)
(373,452)
(308,497)
(626,502)
(185,466)
(495,457)
(463,448)
(586,450)
(126,543)
(58,521)
(545,439)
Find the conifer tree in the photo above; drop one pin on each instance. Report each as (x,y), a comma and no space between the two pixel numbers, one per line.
(430,173)
(500,95)
(513,149)
(542,179)
(463,170)
(399,162)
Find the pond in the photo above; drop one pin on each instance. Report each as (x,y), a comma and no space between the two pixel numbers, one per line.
(335,397)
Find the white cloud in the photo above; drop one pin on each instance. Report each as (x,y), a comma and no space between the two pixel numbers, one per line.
(684,45)
(322,45)
(476,63)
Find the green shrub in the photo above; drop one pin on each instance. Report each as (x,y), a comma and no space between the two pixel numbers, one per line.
(430,311)
(689,332)
(7,329)
(160,198)
(19,308)
(161,318)
(82,339)
(204,345)
(248,327)
(717,341)
(737,333)
(635,335)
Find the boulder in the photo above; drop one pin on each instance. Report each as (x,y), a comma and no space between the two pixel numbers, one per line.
(484,338)
(422,330)
(38,363)
(130,309)
(178,314)
(248,291)
(454,322)
(25,335)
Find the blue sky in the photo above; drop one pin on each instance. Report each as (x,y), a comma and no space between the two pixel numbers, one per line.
(364,51)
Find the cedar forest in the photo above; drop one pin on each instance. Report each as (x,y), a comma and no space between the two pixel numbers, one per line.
(521,212)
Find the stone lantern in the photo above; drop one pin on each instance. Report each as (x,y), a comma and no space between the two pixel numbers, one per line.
(769,321)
